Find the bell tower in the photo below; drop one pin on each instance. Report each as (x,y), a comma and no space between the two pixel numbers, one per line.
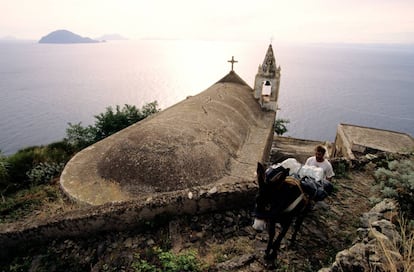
(267,81)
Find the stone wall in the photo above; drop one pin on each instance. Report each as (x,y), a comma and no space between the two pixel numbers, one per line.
(130,215)
(367,254)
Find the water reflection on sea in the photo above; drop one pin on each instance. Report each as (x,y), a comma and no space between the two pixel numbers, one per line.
(45,86)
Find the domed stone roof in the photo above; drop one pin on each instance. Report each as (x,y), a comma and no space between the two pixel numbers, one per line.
(186,145)
(217,135)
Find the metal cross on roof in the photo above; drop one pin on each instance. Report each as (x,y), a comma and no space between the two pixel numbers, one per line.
(232,62)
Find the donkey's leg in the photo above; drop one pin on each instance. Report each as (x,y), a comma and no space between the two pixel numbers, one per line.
(271,230)
(298,224)
(276,244)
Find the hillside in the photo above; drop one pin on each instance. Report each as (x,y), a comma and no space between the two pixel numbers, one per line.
(223,240)
(65,36)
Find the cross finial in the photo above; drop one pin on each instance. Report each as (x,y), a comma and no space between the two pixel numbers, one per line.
(232,62)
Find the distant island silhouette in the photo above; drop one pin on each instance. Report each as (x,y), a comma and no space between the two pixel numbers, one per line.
(65,36)
(111,37)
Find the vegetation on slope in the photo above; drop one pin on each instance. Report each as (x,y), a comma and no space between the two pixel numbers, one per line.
(28,175)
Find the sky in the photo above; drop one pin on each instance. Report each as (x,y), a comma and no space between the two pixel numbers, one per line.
(344,21)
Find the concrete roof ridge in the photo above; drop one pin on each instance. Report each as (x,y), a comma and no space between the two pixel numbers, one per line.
(232,77)
(378,129)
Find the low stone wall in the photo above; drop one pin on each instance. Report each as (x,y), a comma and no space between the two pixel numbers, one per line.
(366,254)
(130,215)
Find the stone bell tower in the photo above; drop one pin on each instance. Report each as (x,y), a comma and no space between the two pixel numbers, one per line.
(267,81)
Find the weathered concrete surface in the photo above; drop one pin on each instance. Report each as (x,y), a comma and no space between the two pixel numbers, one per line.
(352,141)
(215,137)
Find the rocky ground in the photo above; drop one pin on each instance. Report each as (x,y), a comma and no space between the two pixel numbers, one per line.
(225,241)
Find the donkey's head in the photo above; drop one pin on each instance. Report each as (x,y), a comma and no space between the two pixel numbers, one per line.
(270,180)
(271,176)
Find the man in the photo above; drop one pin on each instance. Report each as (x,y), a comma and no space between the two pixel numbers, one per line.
(319,161)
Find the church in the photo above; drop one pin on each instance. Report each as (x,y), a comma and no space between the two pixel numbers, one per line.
(214,137)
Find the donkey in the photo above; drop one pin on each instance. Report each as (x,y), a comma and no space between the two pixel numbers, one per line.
(280,199)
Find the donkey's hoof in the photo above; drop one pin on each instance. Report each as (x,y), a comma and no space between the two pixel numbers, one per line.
(270,265)
(268,257)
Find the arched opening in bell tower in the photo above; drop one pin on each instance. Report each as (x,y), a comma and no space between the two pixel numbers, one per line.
(266,88)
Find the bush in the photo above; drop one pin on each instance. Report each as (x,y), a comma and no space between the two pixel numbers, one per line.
(157,260)
(59,152)
(44,172)
(3,171)
(111,121)
(280,126)
(106,124)
(19,163)
(79,137)
(397,182)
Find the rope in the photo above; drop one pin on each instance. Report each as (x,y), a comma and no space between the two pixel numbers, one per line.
(293,181)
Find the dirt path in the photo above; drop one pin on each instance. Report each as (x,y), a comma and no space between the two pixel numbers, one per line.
(331,227)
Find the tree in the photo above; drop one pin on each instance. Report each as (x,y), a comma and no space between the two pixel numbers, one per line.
(111,121)
(280,126)
(149,109)
(79,137)
(107,123)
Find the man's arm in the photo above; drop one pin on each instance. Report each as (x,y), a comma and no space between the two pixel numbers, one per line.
(329,171)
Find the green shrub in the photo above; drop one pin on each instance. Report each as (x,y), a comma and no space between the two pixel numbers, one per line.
(157,260)
(19,164)
(397,182)
(111,121)
(280,126)
(79,137)
(59,152)
(107,123)
(44,172)
(3,171)
(341,169)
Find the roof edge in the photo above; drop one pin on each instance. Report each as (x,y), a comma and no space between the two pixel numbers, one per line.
(232,77)
(378,129)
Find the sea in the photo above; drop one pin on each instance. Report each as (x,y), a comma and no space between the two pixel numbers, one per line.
(44,87)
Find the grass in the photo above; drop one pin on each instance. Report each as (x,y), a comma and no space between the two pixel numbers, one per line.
(230,249)
(24,202)
(398,255)
(40,201)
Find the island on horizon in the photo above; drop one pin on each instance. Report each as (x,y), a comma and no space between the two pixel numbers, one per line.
(111,37)
(65,36)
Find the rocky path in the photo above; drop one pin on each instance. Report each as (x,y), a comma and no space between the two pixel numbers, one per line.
(226,241)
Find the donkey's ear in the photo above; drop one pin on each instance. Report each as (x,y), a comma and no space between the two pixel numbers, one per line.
(260,173)
(280,176)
